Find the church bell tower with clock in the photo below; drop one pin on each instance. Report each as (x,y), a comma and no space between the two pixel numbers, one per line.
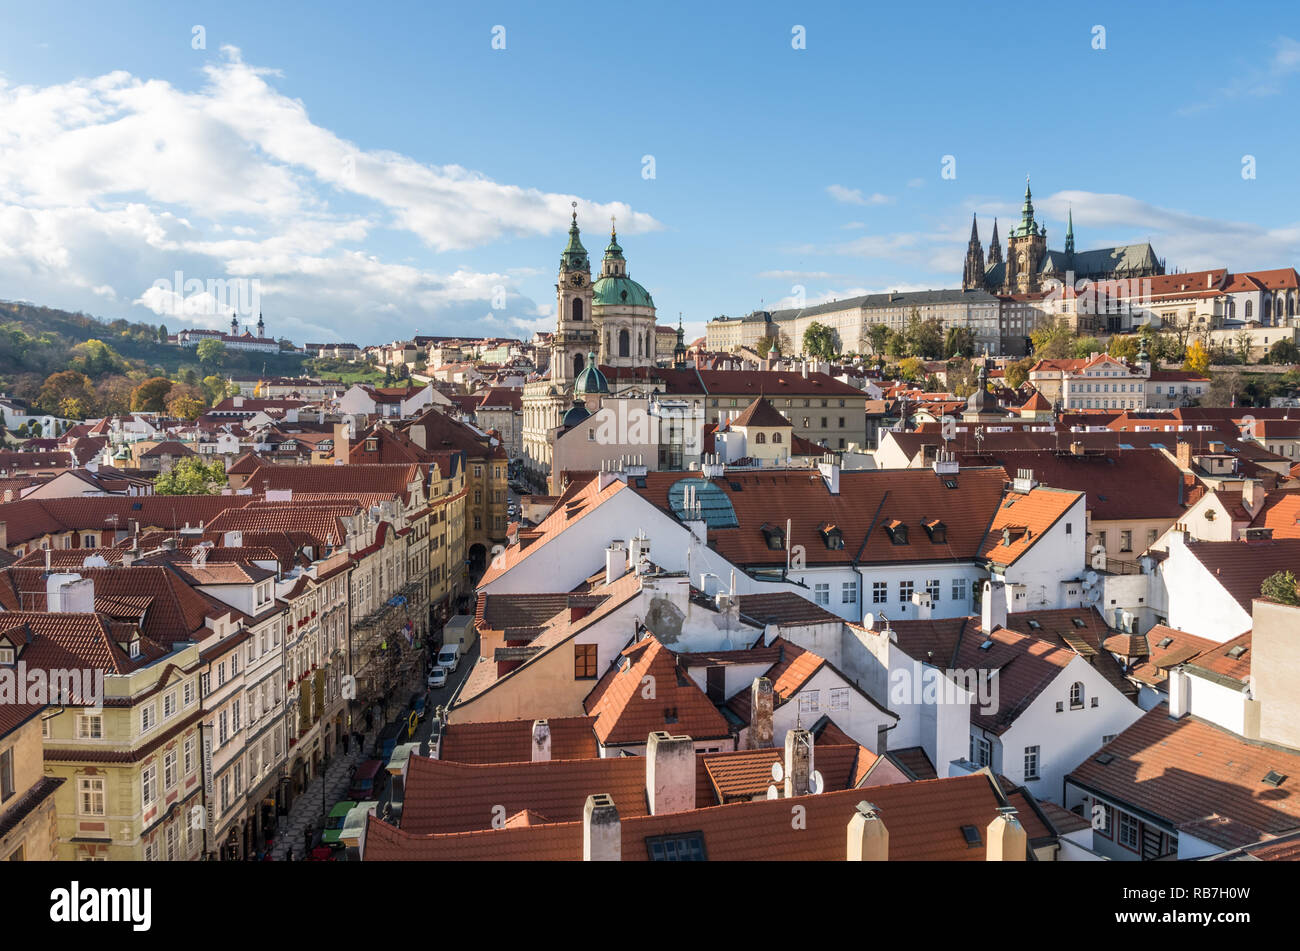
(575,333)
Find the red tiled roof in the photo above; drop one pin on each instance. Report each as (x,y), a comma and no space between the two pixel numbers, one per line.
(1024,518)
(760,413)
(1189,771)
(1241,567)
(511,741)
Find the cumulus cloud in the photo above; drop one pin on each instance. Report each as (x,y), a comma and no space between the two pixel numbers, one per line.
(854,196)
(111,183)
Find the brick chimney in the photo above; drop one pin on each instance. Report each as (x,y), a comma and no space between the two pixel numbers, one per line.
(541,741)
(669,773)
(798,763)
(1183,453)
(602,833)
(761,704)
(1007,839)
(868,839)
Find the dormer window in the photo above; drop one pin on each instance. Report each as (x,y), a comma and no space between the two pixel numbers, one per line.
(774,536)
(832,536)
(937,530)
(897,531)
(6,656)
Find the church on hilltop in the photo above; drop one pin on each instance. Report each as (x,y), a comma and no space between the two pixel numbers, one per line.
(1030,266)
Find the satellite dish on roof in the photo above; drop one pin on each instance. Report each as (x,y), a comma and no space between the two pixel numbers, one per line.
(773,793)
(778,774)
(816,783)
(869,621)
(1090,579)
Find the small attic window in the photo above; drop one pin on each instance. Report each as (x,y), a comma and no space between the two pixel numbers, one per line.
(986,645)
(1274,778)
(897,532)
(1034,625)
(1165,642)
(937,530)
(972,836)
(1077,622)
(832,536)
(6,656)
(1236,652)
(773,535)
(1103,759)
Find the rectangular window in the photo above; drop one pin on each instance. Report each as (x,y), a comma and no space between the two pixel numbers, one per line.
(90,795)
(205,684)
(169,769)
(1031,763)
(90,727)
(189,755)
(839,699)
(7,775)
(879,592)
(584,661)
(147,718)
(905,589)
(1125,541)
(822,593)
(932,589)
(1128,831)
(148,785)
(959,590)
(808,701)
(849,592)
(189,692)
(169,705)
(981,751)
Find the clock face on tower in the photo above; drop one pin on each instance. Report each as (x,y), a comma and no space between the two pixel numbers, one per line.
(577,280)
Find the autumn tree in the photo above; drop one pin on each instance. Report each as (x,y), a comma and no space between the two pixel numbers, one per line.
(1016,374)
(69,385)
(192,476)
(1124,347)
(958,342)
(151,395)
(1197,359)
(876,337)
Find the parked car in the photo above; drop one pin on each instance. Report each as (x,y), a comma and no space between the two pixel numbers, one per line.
(438,677)
(334,823)
(367,780)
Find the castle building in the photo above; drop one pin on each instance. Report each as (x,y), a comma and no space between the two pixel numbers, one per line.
(1030,266)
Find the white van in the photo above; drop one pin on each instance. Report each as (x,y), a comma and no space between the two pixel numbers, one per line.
(449,656)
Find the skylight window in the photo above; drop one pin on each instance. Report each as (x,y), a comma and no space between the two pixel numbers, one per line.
(972,836)
(1165,642)
(1078,622)
(714,506)
(688,847)
(1274,778)
(986,645)
(1236,652)
(1034,625)
(1103,758)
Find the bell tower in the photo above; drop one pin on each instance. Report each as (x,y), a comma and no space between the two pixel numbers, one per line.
(1026,247)
(575,333)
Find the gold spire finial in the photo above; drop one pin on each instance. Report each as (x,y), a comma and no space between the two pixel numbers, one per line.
(575,211)
(612,220)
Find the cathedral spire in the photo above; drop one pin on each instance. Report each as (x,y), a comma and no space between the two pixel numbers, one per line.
(574,257)
(1069,234)
(995,246)
(974,230)
(1027,211)
(972,277)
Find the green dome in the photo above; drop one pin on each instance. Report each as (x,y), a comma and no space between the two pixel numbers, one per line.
(620,292)
(590,380)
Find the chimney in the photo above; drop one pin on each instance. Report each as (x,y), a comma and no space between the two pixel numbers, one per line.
(922,602)
(798,763)
(882,739)
(761,703)
(4,536)
(342,443)
(868,839)
(602,834)
(1252,497)
(70,594)
(541,741)
(993,606)
(1006,837)
(669,773)
(830,470)
(1183,453)
(615,563)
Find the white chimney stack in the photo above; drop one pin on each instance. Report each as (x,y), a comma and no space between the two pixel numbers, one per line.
(669,773)
(1008,841)
(993,606)
(868,839)
(541,741)
(615,563)
(602,832)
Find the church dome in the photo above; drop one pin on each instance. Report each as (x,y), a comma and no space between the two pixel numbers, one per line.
(590,380)
(620,292)
(576,414)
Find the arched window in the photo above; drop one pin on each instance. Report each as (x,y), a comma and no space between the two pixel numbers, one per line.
(1290,304)
(760,438)
(1250,309)
(1268,308)
(1076,694)
(624,344)
(578,363)
(576,309)
(776,438)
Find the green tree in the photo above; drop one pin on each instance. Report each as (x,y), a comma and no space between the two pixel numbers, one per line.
(1052,340)
(212,353)
(1016,374)
(765,345)
(896,345)
(819,341)
(151,395)
(958,342)
(1241,345)
(1124,347)
(192,476)
(877,338)
(1281,587)
(214,387)
(68,385)
(1084,347)
(96,358)
(1283,352)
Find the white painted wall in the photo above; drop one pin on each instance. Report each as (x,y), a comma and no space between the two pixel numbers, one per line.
(1197,603)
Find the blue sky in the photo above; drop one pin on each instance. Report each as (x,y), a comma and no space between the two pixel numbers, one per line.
(381,170)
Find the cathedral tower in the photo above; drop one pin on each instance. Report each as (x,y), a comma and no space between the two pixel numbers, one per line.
(995,249)
(624,312)
(1025,250)
(972,274)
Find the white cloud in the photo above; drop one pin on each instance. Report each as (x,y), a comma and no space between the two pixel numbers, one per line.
(1256,82)
(111,183)
(854,196)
